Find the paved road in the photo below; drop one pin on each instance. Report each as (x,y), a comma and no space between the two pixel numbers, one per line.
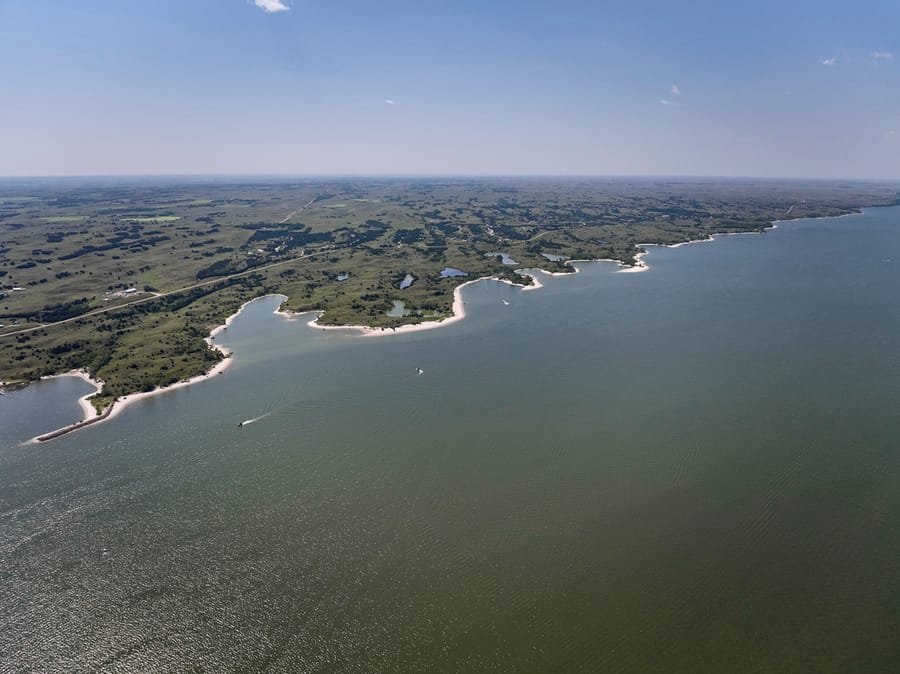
(157,296)
(302,208)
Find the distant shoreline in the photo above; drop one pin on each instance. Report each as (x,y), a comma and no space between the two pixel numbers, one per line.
(92,416)
(640,265)
(458,313)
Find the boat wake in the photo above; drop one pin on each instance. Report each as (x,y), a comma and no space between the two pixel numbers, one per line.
(247,422)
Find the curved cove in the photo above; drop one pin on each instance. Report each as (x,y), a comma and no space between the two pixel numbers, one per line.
(619,472)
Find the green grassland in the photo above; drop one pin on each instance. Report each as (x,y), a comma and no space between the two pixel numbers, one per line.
(154,219)
(164,261)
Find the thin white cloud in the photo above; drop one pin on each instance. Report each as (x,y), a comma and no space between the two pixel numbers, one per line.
(390,101)
(675,90)
(892,135)
(829,62)
(271,5)
(879,57)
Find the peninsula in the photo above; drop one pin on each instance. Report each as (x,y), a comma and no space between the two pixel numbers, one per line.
(124,278)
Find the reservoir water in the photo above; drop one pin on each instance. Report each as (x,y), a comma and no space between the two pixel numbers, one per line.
(689,469)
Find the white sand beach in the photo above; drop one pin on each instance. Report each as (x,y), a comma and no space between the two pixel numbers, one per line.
(92,416)
(459,313)
(87,409)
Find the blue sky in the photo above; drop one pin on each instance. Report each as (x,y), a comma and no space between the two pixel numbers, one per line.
(806,89)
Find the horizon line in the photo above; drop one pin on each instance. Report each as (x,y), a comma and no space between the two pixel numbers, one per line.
(669,176)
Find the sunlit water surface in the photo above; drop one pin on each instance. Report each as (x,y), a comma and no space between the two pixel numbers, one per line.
(695,468)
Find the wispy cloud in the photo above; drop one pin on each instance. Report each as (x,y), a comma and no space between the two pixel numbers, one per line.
(271,5)
(892,135)
(829,62)
(675,92)
(879,57)
(390,101)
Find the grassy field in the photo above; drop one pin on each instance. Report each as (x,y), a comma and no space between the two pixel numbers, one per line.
(154,219)
(70,247)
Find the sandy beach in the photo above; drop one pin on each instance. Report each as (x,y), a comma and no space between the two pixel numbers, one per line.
(459,310)
(459,313)
(640,265)
(87,409)
(121,403)
(92,416)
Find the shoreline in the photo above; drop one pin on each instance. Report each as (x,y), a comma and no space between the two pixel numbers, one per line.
(458,310)
(92,416)
(458,314)
(87,409)
(640,265)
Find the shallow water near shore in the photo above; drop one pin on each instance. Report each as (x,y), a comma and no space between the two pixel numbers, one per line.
(689,469)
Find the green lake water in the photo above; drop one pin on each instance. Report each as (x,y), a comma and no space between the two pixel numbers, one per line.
(691,469)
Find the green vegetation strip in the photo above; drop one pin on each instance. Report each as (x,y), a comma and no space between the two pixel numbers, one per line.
(128,295)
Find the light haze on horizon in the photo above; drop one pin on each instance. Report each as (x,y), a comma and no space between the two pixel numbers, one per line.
(768,89)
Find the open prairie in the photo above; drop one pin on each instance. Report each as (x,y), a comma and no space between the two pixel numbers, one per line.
(125,277)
